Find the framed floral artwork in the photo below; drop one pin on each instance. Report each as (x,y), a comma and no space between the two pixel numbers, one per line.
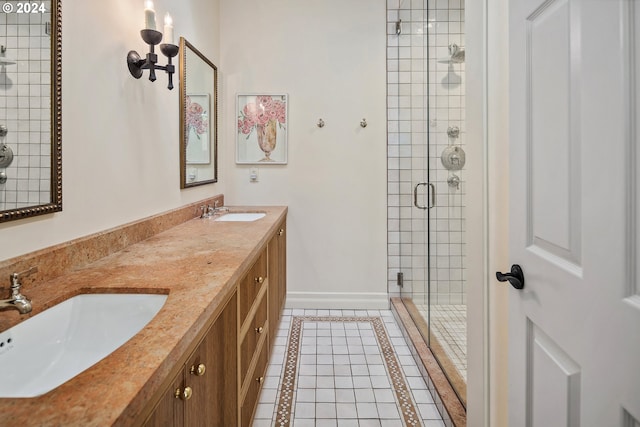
(197,121)
(261,134)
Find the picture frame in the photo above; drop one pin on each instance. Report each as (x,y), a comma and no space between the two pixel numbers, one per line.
(198,116)
(261,129)
(198,123)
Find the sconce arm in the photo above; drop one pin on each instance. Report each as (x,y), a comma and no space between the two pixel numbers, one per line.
(136,64)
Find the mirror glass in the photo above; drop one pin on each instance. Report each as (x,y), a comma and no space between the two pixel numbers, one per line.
(30,109)
(198,117)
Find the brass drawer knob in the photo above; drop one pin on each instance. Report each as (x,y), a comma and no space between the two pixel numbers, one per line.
(260,330)
(198,370)
(259,280)
(184,394)
(281,232)
(260,380)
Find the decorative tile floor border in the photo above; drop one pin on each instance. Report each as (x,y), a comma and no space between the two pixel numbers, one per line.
(285,408)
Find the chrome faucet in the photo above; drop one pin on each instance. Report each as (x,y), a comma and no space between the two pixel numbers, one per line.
(216,210)
(17,300)
(210,211)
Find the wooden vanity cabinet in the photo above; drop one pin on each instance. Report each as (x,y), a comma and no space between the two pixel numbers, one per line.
(235,351)
(277,270)
(254,331)
(204,392)
(253,384)
(170,410)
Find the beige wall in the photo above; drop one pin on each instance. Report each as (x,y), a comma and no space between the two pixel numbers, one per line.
(120,135)
(329,57)
(498,200)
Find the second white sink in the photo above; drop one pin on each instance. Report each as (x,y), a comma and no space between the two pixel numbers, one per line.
(241,216)
(54,346)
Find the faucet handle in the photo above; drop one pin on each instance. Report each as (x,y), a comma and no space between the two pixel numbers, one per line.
(16,277)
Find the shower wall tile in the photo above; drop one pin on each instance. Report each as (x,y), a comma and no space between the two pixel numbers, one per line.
(426,97)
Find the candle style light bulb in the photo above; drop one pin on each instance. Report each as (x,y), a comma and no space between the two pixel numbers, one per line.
(149,15)
(168,29)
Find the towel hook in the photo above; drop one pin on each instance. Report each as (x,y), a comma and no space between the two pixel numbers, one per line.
(363,123)
(320,123)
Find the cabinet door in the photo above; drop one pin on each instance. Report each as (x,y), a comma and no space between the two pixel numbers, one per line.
(251,285)
(282,263)
(170,410)
(250,340)
(277,278)
(254,386)
(211,372)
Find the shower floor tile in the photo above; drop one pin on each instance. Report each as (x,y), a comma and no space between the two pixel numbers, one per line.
(449,325)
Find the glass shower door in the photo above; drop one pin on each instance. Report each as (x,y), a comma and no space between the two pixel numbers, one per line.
(426,131)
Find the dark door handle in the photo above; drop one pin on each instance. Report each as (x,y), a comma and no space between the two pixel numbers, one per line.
(516,277)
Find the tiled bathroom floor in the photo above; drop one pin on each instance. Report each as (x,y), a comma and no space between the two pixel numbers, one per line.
(343,368)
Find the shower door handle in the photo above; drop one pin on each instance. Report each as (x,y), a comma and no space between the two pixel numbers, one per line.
(433,195)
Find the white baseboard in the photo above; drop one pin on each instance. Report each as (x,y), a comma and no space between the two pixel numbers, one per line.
(338,300)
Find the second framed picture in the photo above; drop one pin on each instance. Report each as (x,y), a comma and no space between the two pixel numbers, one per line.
(261,134)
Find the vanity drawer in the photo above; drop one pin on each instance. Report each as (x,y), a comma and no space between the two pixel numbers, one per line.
(251,285)
(256,380)
(258,327)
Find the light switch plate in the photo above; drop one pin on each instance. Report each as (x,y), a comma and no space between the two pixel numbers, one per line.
(253,175)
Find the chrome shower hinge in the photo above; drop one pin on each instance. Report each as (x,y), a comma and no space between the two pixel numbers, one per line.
(400,279)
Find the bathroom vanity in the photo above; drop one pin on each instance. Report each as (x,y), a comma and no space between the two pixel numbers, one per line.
(201,361)
(231,358)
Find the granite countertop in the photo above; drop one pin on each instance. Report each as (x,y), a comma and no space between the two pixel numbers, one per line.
(196,263)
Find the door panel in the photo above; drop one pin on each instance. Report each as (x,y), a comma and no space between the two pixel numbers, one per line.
(629,421)
(573,341)
(554,384)
(554,181)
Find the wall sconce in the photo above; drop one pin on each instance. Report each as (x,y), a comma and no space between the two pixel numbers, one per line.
(152,37)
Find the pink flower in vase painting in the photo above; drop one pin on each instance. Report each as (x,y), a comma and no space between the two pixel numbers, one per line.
(265,116)
(196,118)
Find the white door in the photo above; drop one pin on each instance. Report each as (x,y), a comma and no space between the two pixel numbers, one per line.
(574,330)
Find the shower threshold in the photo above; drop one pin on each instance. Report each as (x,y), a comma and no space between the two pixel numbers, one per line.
(443,379)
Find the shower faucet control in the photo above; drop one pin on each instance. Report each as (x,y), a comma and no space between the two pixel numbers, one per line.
(454,181)
(6,156)
(453,131)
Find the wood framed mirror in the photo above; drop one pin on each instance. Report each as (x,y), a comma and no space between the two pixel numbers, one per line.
(31,119)
(198,117)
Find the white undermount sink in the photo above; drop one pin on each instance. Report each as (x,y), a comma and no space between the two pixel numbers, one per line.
(54,346)
(241,216)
